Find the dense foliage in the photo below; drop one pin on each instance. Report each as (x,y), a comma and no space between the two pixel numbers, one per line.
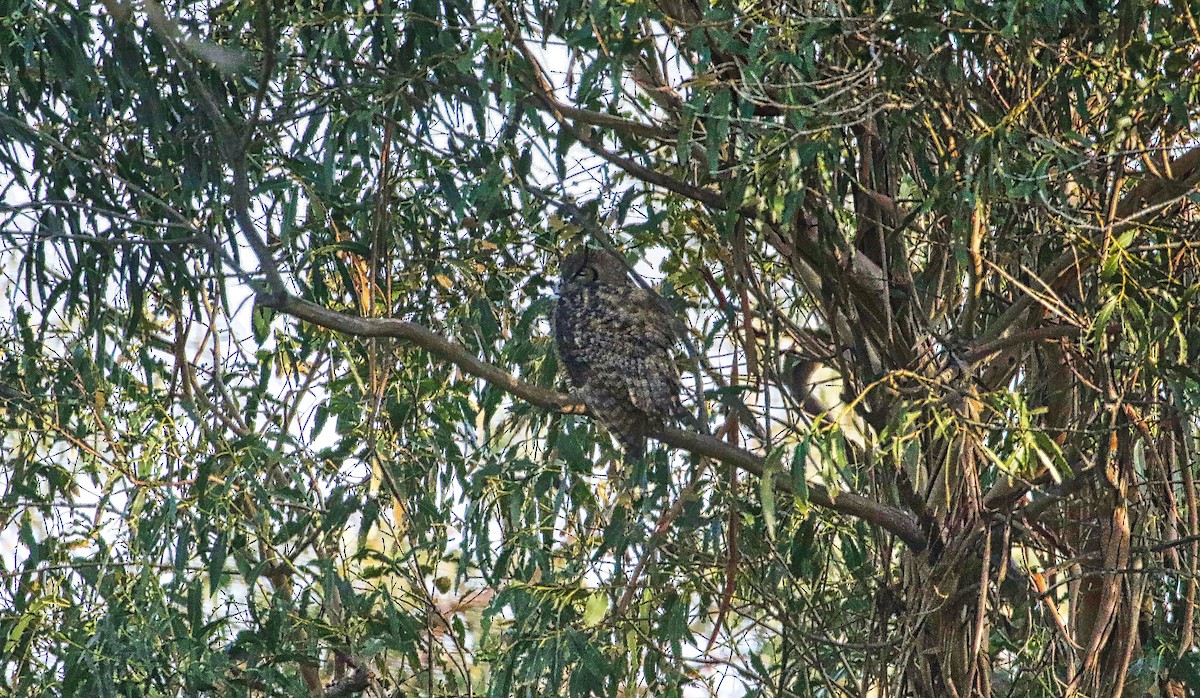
(280,414)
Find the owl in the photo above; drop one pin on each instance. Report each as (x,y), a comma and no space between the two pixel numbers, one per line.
(616,342)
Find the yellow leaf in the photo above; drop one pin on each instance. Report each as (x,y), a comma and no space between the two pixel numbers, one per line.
(594,610)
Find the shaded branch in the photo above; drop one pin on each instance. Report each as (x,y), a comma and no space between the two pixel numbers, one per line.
(986,350)
(352,685)
(897,521)
(1152,193)
(1183,175)
(651,176)
(555,106)
(429,341)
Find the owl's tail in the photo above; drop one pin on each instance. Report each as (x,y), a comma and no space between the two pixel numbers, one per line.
(634,443)
(625,422)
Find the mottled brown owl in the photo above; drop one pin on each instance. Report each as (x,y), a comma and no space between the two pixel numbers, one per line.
(616,341)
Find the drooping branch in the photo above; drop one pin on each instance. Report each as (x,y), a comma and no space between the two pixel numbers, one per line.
(889,518)
(897,521)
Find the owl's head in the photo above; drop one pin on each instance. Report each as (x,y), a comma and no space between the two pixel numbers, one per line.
(591,265)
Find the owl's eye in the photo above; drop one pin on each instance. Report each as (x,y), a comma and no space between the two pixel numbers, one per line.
(586,270)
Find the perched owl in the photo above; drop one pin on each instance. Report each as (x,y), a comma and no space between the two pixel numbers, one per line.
(616,342)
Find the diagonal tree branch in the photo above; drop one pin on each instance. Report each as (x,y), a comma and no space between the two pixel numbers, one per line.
(897,521)
(558,108)
(1152,193)
(1182,176)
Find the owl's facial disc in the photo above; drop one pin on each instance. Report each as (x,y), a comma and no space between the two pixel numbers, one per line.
(591,266)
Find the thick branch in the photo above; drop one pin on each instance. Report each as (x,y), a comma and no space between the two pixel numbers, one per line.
(352,685)
(1183,175)
(986,350)
(889,518)
(427,340)
(1152,193)
(892,519)
(557,107)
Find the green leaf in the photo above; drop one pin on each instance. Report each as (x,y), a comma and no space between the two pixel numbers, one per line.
(216,563)
(799,474)
(771,466)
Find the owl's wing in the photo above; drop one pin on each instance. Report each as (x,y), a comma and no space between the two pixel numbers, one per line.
(655,322)
(567,316)
(652,378)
